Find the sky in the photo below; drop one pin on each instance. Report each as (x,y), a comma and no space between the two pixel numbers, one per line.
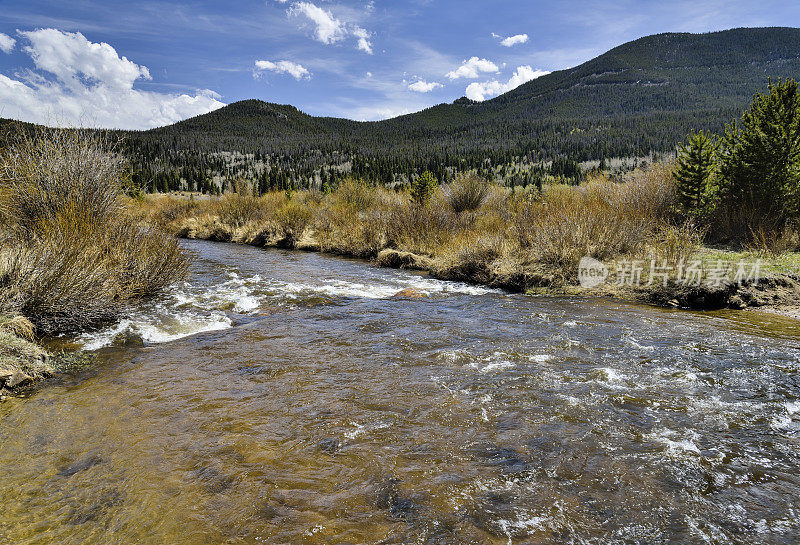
(138,65)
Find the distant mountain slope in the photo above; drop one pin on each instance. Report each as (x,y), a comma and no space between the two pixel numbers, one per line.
(642,96)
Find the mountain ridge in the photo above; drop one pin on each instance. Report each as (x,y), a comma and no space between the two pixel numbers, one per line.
(638,98)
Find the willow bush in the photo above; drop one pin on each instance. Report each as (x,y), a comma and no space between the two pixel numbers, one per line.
(71,257)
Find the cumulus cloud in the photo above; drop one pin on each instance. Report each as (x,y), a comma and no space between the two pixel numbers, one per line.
(472,69)
(328,28)
(297,71)
(364,43)
(514,40)
(6,43)
(482,91)
(80,83)
(424,86)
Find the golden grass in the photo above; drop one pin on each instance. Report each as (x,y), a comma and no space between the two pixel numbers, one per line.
(489,233)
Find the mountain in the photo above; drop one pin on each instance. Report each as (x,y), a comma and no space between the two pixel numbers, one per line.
(640,97)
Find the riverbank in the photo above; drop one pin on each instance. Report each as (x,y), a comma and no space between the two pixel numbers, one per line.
(22,361)
(776,288)
(520,241)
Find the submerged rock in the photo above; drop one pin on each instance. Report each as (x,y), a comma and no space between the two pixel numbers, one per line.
(390,499)
(79,465)
(329,446)
(410,293)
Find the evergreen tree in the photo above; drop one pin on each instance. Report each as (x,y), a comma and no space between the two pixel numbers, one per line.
(693,172)
(423,187)
(760,159)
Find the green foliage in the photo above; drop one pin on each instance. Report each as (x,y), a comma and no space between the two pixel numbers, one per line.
(693,172)
(423,187)
(759,162)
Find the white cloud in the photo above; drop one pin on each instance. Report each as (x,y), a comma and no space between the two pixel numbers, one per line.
(482,91)
(80,83)
(297,71)
(364,43)
(423,86)
(472,68)
(329,29)
(6,43)
(514,40)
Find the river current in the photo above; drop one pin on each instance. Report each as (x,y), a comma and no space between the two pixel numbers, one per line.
(284,397)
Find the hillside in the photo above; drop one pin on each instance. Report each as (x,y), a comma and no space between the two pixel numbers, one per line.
(640,97)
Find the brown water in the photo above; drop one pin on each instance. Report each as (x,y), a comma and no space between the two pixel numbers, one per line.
(322,410)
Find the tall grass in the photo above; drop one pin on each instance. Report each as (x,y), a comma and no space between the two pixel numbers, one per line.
(71,257)
(469,229)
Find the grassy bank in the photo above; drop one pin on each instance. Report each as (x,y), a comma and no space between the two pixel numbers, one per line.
(71,256)
(467,230)
(479,233)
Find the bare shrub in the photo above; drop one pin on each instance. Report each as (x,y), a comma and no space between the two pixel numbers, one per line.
(601,219)
(676,243)
(71,257)
(355,194)
(164,211)
(238,209)
(51,172)
(774,240)
(292,220)
(472,256)
(421,229)
(466,193)
(650,193)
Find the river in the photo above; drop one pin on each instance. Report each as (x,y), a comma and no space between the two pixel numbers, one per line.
(285,397)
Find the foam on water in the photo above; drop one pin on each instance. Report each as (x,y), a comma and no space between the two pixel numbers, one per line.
(786,420)
(384,288)
(677,446)
(190,308)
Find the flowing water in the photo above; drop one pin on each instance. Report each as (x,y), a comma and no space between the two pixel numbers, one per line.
(289,398)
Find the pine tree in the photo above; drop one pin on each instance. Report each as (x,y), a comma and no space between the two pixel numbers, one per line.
(693,172)
(423,187)
(760,159)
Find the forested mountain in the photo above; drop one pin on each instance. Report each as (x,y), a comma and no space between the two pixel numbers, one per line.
(641,97)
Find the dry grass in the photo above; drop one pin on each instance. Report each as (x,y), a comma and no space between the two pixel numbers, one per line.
(469,230)
(466,193)
(71,257)
(18,326)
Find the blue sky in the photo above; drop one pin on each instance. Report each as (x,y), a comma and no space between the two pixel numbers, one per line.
(143,64)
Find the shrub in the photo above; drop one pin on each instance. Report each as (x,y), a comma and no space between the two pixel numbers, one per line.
(293,219)
(354,219)
(71,257)
(52,172)
(601,219)
(676,243)
(421,229)
(237,209)
(466,193)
